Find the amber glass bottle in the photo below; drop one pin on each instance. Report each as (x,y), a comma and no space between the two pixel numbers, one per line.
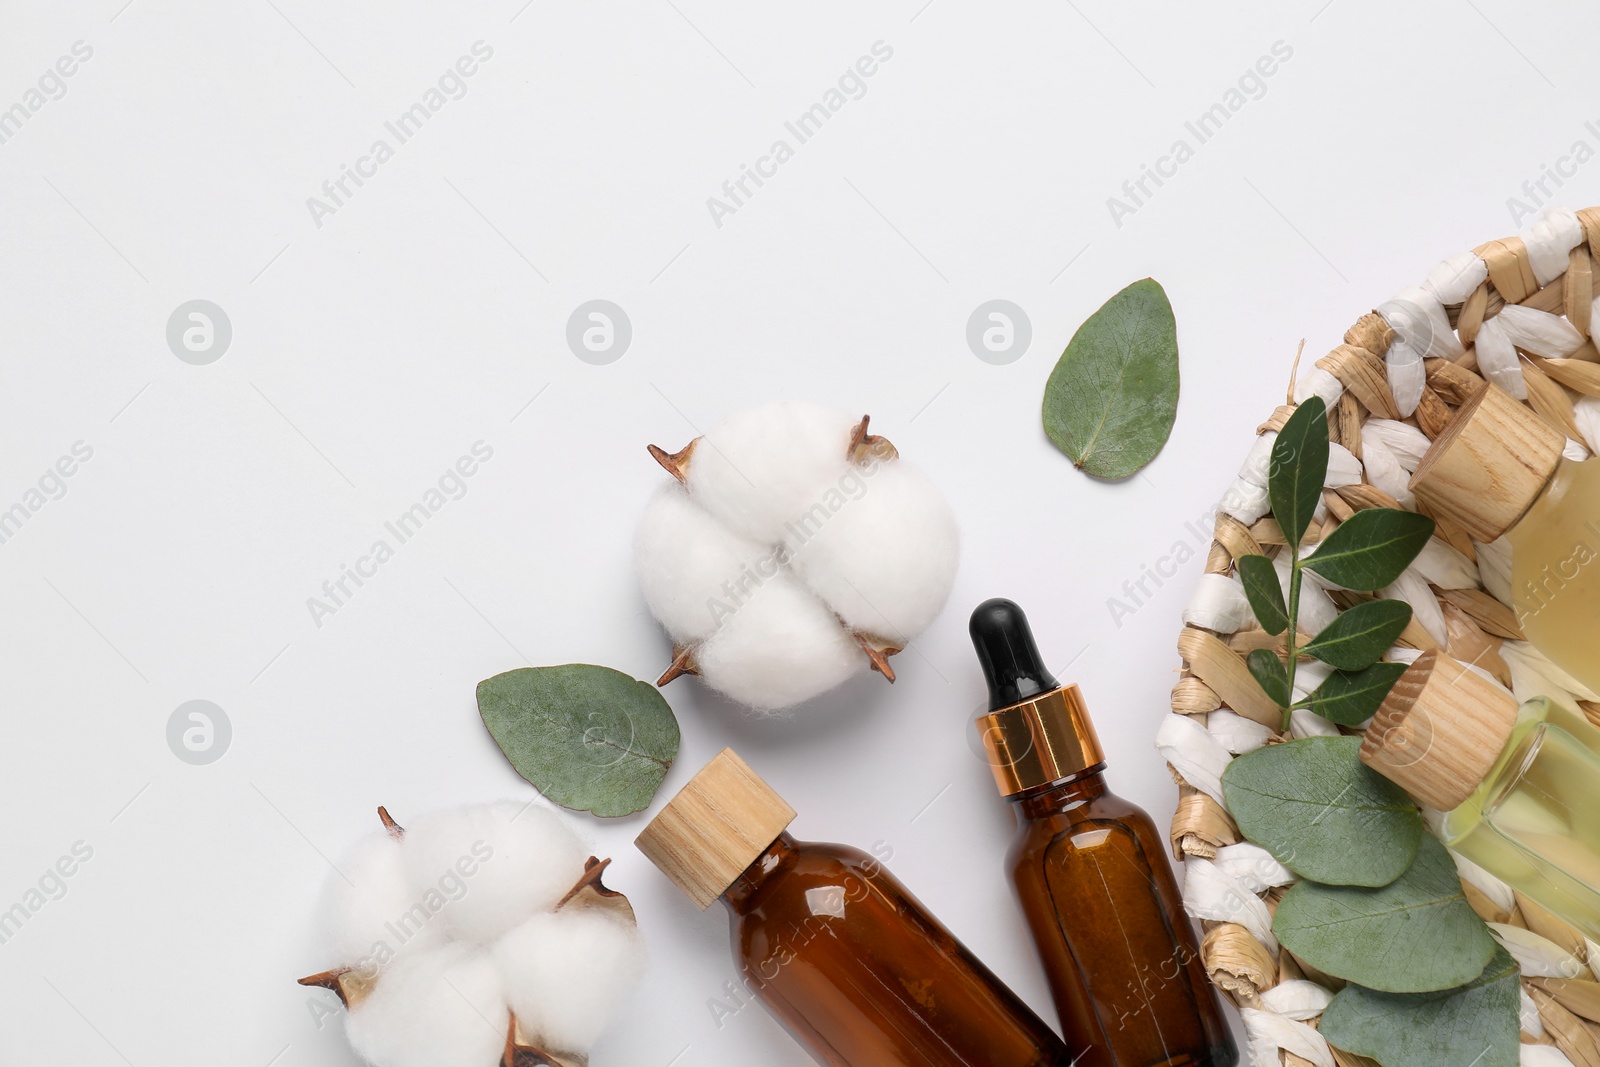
(838,950)
(1091,872)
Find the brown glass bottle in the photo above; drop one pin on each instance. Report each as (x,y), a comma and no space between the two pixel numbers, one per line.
(836,948)
(1091,873)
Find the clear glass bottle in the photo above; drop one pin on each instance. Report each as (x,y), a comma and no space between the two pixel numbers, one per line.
(840,952)
(1517,786)
(1497,469)
(1091,873)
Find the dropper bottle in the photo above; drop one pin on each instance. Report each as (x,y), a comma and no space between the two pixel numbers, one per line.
(1091,872)
(1498,469)
(851,963)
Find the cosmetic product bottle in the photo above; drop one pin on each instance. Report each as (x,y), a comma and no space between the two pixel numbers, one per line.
(1091,872)
(1498,469)
(851,964)
(1517,786)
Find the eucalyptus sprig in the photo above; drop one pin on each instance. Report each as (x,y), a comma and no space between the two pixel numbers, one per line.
(1367,552)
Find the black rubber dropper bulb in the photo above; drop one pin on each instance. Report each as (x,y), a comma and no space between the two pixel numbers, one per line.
(1010,660)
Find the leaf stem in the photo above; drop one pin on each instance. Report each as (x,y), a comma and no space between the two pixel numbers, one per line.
(1293,631)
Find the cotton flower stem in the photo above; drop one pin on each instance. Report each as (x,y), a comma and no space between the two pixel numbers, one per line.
(396,831)
(329,980)
(878,656)
(682,663)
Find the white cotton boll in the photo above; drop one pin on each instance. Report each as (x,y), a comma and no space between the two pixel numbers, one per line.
(443,1008)
(367,900)
(1218,603)
(1586,413)
(1318,382)
(1193,753)
(1236,733)
(1343,467)
(1245,501)
(1252,866)
(1298,999)
(1540,332)
(764,468)
(483,869)
(1453,280)
(1549,241)
(1412,588)
(1408,443)
(1258,463)
(1494,567)
(566,972)
(1445,567)
(779,647)
(1267,1032)
(685,559)
(1498,360)
(883,555)
(1384,471)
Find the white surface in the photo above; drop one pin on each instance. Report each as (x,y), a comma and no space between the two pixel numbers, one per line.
(368,354)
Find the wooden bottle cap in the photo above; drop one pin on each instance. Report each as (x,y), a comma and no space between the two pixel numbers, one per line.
(714,828)
(1489,465)
(1439,731)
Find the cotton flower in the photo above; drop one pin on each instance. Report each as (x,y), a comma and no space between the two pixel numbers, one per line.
(793,550)
(478,933)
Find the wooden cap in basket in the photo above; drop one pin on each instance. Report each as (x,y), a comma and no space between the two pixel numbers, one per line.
(1489,465)
(714,828)
(1439,731)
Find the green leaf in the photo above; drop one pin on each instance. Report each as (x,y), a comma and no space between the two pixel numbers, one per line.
(1112,398)
(1262,589)
(587,737)
(1356,638)
(1371,548)
(1269,672)
(1415,935)
(1299,467)
(1323,813)
(1350,698)
(1476,1024)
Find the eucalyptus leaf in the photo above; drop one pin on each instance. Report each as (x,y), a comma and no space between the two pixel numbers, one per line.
(1262,589)
(1350,698)
(1371,548)
(1323,813)
(1112,398)
(1269,673)
(1299,467)
(1357,637)
(587,737)
(1417,934)
(1475,1024)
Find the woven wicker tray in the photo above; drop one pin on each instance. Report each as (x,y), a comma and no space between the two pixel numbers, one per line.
(1375,374)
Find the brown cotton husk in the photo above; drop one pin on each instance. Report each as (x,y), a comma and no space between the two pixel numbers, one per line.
(675,463)
(519,1053)
(591,892)
(682,663)
(867,447)
(878,653)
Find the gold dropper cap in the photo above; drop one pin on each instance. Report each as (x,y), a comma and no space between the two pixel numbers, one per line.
(1489,465)
(1440,731)
(715,828)
(1039,741)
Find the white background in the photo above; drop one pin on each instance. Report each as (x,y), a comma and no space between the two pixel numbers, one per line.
(372,351)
